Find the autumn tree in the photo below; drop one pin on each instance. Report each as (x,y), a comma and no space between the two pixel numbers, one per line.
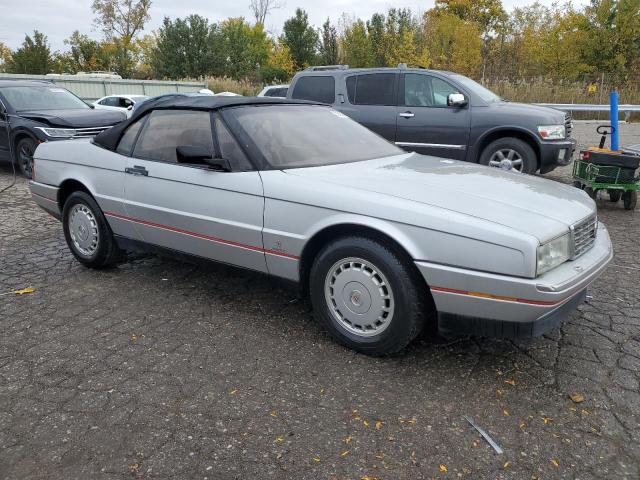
(300,38)
(34,56)
(328,49)
(5,56)
(280,66)
(356,46)
(121,21)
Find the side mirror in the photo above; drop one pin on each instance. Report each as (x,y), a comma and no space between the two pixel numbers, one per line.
(199,155)
(130,107)
(456,100)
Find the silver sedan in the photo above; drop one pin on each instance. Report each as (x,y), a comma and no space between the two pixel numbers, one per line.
(384,242)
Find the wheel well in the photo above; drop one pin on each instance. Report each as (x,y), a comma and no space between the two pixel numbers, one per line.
(323,237)
(67,188)
(525,137)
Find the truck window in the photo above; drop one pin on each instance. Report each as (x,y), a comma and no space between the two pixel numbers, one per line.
(422,90)
(316,88)
(375,89)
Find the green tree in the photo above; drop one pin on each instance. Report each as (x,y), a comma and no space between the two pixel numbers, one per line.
(121,21)
(187,48)
(328,50)
(301,39)
(85,54)
(34,56)
(356,45)
(280,66)
(245,48)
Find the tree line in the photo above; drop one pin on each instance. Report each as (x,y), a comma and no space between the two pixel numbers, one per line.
(477,38)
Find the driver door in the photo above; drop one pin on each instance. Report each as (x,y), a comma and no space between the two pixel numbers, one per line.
(192,208)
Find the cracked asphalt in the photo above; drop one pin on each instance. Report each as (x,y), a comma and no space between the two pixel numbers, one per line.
(165,369)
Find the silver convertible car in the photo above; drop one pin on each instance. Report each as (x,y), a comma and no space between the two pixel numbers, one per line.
(385,242)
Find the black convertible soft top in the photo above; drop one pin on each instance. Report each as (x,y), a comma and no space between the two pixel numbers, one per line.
(109,138)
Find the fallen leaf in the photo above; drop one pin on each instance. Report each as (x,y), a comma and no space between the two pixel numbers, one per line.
(378,425)
(380,456)
(279,439)
(443,468)
(505,412)
(24,291)
(348,439)
(412,421)
(576,398)
(547,420)
(345,453)
(523,425)
(499,392)
(316,459)
(134,338)
(584,412)
(366,424)
(506,465)
(511,382)
(273,413)
(555,462)
(233,392)
(134,468)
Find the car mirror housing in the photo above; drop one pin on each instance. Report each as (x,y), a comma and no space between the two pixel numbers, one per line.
(192,154)
(456,100)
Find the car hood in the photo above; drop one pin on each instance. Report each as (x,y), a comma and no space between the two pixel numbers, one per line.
(74,118)
(534,205)
(545,114)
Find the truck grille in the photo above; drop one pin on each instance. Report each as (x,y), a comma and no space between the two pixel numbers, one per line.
(568,124)
(90,132)
(584,235)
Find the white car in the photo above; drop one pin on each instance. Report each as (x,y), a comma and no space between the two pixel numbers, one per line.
(274,91)
(121,103)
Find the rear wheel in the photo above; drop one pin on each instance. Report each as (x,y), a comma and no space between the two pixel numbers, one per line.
(88,235)
(368,296)
(25,147)
(630,199)
(510,154)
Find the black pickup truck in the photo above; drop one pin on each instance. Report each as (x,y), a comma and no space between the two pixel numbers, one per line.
(443,114)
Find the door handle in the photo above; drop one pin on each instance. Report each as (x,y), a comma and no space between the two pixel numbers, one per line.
(406,115)
(137,170)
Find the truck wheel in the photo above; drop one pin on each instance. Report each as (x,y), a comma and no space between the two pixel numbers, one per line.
(25,147)
(630,198)
(510,153)
(368,296)
(87,232)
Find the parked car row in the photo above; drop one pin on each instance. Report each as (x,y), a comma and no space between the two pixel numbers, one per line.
(385,242)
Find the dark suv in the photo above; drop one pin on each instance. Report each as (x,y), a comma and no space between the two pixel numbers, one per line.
(32,112)
(443,114)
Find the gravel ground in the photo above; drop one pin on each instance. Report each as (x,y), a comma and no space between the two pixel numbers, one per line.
(162,369)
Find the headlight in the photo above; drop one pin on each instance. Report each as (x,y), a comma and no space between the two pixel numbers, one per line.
(58,132)
(553,253)
(552,132)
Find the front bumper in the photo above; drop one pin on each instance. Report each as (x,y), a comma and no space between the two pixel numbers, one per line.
(556,153)
(487,297)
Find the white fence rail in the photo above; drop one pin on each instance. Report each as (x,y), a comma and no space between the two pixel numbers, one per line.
(625,109)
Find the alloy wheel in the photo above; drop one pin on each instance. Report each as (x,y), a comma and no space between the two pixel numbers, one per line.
(507,159)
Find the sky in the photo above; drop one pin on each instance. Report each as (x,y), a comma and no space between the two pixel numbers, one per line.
(59,18)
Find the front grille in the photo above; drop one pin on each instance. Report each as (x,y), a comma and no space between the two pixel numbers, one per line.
(89,132)
(568,124)
(584,235)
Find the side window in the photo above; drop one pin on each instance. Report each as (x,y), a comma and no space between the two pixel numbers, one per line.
(126,142)
(276,92)
(441,91)
(316,88)
(375,89)
(351,89)
(168,129)
(417,90)
(230,150)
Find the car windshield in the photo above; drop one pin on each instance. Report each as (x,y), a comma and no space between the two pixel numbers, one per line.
(292,136)
(484,93)
(41,98)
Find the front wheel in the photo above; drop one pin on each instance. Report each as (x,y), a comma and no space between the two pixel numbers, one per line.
(510,154)
(368,296)
(25,148)
(87,232)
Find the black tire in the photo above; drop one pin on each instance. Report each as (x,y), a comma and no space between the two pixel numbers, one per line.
(630,199)
(614,195)
(25,147)
(102,253)
(506,144)
(410,307)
